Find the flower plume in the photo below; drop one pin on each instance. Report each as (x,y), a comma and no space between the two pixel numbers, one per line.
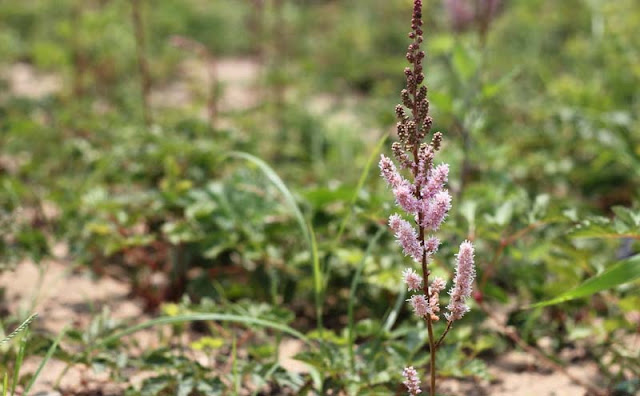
(411,380)
(424,198)
(461,289)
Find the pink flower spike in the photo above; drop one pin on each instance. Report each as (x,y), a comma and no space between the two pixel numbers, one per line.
(437,179)
(405,198)
(437,285)
(389,172)
(406,236)
(412,279)
(436,210)
(462,282)
(432,244)
(420,305)
(411,380)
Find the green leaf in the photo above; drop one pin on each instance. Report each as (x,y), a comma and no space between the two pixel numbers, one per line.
(463,63)
(626,224)
(492,89)
(622,272)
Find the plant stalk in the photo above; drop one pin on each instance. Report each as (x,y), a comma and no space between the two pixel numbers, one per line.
(143,65)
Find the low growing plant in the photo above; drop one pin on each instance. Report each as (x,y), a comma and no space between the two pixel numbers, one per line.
(424,198)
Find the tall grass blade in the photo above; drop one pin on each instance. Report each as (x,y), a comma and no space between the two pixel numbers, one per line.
(202,317)
(352,297)
(19,360)
(47,357)
(305,226)
(624,271)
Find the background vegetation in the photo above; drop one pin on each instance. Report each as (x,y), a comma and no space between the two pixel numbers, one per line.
(252,203)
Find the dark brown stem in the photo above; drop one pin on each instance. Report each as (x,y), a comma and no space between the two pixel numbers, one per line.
(425,270)
(446,331)
(432,352)
(143,66)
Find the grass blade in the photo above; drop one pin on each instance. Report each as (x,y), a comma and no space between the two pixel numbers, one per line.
(361,181)
(352,296)
(622,272)
(279,184)
(47,357)
(305,226)
(201,317)
(19,360)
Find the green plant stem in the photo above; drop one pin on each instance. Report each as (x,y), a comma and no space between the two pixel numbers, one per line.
(352,297)
(143,65)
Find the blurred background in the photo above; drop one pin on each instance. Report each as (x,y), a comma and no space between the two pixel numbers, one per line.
(220,156)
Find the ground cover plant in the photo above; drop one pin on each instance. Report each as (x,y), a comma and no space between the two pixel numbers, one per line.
(191,200)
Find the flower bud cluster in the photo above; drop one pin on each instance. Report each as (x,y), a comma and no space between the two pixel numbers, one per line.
(412,130)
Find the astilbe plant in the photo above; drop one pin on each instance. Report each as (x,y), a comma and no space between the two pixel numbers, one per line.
(426,201)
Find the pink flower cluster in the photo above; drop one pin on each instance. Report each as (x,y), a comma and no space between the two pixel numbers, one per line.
(428,202)
(433,201)
(411,380)
(412,279)
(420,304)
(461,289)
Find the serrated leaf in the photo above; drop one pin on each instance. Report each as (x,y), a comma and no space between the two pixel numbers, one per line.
(624,271)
